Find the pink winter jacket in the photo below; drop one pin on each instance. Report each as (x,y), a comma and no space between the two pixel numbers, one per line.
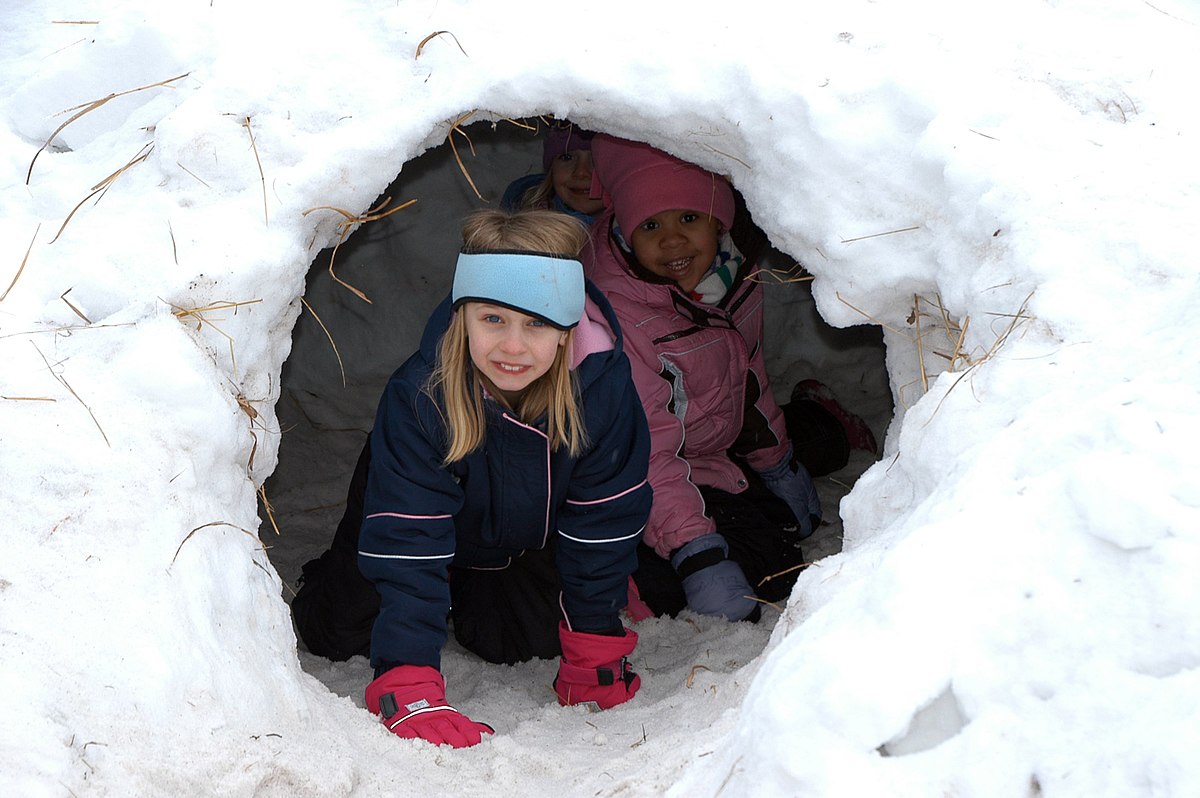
(701,376)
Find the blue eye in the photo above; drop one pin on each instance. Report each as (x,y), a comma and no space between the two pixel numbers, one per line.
(491,318)
(536,323)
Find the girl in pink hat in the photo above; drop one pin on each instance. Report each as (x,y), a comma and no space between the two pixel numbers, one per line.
(732,500)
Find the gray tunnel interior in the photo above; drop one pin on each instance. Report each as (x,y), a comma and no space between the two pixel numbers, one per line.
(403,264)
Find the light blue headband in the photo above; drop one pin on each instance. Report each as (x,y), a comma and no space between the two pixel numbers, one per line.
(549,287)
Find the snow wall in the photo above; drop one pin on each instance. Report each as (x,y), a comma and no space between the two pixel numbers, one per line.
(191,289)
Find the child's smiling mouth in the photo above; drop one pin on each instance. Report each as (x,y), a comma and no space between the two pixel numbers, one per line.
(679,265)
(510,368)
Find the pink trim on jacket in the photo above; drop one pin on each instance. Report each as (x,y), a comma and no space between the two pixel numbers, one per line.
(608,498)
(563,609)
(546,438)
(405,515)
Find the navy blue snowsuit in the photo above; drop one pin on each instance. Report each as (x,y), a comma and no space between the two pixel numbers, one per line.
(511,495)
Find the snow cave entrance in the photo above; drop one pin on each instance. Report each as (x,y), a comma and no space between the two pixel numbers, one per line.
(345,347)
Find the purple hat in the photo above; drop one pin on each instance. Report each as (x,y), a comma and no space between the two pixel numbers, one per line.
(562,138)
(639,181)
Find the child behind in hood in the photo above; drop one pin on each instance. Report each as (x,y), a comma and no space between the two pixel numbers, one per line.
(731,498)
(503,485)
(565,182)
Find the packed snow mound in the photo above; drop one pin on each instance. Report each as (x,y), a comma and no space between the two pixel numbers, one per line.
(1006,191)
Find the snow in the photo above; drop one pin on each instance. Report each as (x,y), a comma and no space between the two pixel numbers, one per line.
(1007,604)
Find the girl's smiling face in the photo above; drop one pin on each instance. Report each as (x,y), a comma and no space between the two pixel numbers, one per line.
(678,244)
(571,174)
(510,348)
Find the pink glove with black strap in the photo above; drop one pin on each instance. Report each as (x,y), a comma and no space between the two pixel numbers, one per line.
(411,700)
(594,669)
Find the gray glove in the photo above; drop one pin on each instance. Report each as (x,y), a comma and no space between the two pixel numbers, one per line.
(790,481)
(714,584)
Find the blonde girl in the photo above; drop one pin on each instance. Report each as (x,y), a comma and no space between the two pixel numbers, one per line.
(503,485)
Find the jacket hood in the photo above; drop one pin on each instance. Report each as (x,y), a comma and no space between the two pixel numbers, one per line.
(607,266)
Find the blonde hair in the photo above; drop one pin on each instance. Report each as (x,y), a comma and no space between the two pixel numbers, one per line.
(540,196)
(454,383)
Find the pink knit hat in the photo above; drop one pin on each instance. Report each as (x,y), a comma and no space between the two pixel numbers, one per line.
(639,181)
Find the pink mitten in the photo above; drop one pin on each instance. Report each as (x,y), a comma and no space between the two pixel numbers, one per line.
(412,702)
(594,669)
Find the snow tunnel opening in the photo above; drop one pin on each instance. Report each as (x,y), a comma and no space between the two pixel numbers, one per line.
(367,303)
